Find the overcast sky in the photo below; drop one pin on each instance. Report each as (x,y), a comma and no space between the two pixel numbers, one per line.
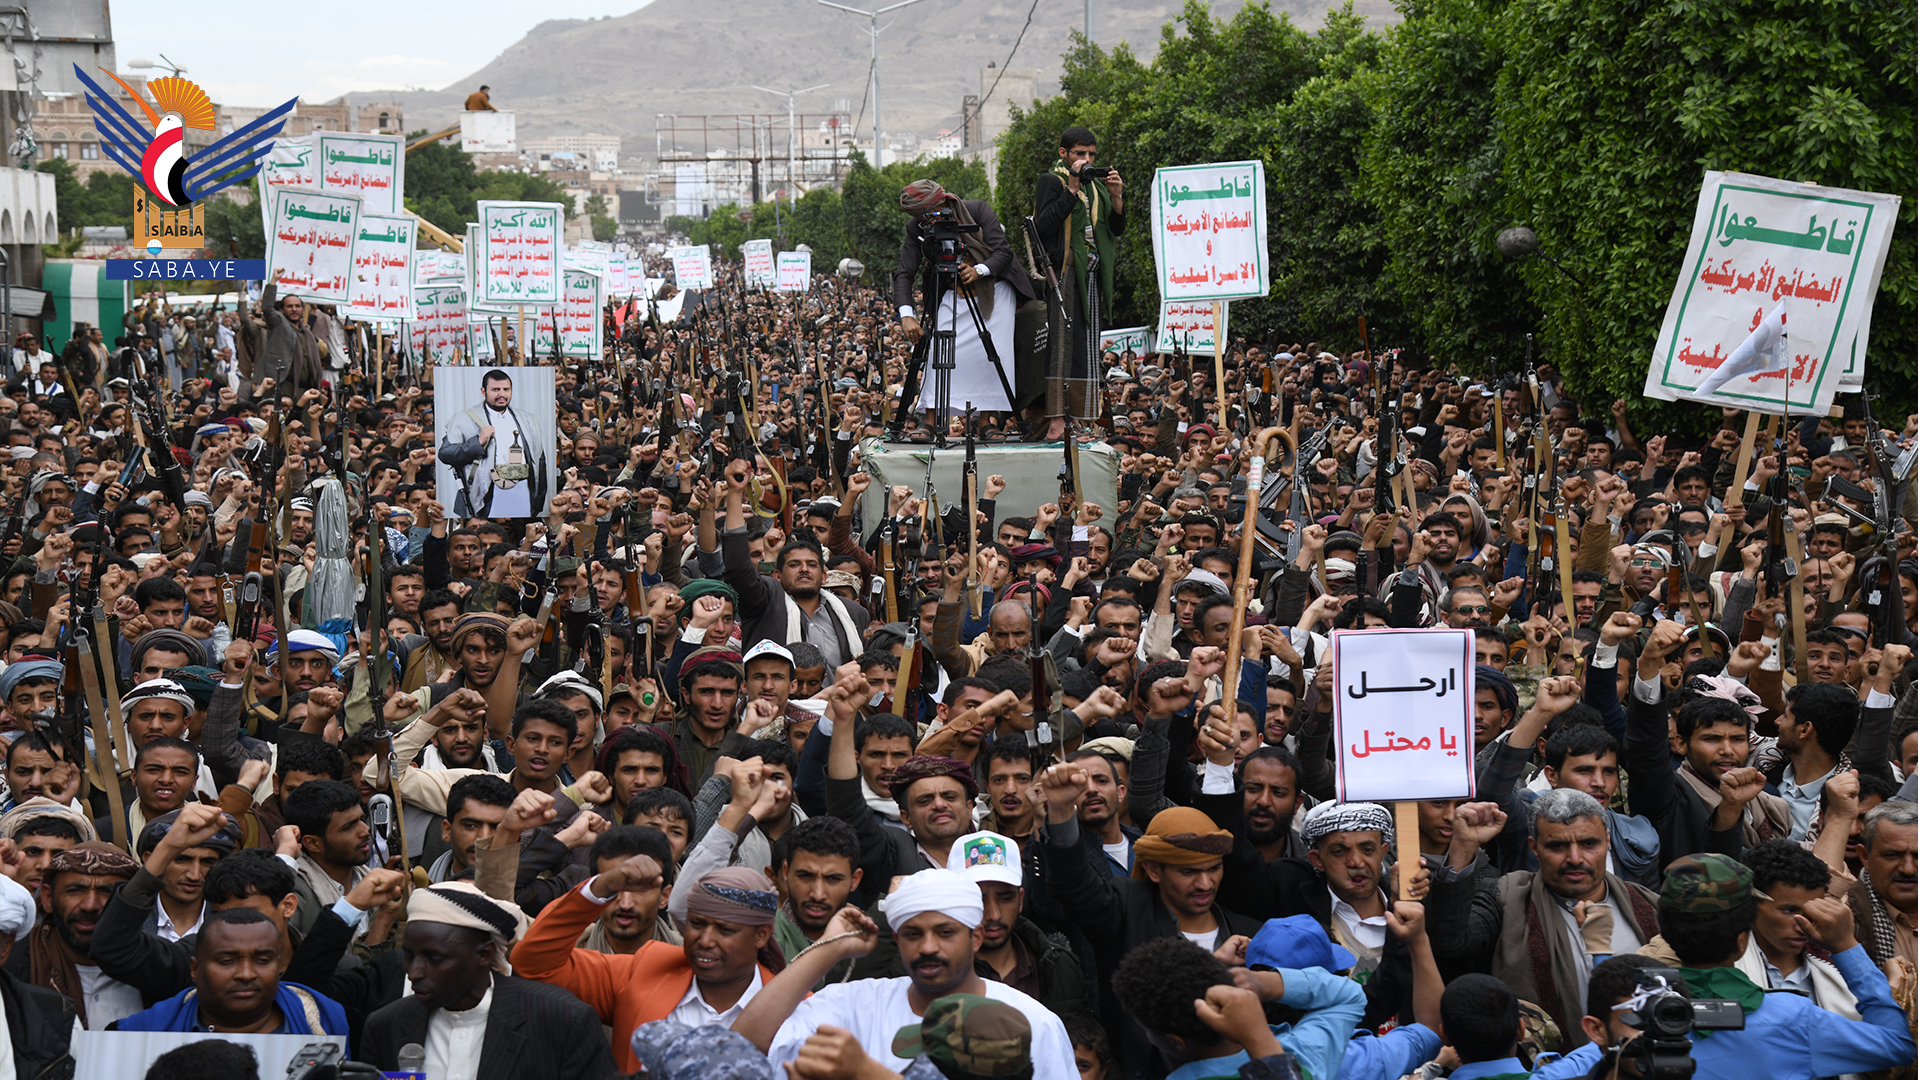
(330,49)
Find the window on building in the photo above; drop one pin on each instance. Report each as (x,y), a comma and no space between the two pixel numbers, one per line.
(383,120)
(57,150)
(89,151)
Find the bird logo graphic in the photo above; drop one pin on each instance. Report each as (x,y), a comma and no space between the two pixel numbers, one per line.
(160,160)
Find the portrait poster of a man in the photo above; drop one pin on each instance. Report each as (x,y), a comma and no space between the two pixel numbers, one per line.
(494,436)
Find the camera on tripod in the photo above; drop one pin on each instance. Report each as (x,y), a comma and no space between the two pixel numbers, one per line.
(944,228)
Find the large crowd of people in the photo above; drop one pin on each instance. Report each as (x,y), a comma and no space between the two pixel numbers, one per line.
(726,759)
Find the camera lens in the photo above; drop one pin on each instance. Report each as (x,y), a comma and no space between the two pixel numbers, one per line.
(1671,1015)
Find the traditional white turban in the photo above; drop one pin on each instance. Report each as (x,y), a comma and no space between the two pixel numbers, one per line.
(952,894)
(461,903)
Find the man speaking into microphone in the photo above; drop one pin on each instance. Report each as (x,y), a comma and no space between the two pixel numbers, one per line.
(987,273)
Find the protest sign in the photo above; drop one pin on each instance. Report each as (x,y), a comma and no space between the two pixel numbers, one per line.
(1403,714)
(434,265)
(519,252)
(1759,244)
(471,257)
(439,329)
(1210,231)
(288,164)
(619,275)
(793,271)
(487,133)
(382,286)
(310,243)
(758,257)
(373,167)
(1133,339)
(692,268)
(1188,328)
(580,323)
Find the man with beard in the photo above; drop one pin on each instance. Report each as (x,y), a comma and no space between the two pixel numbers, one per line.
(1010,767)
(79,881)
(430,654)
(1103,812)
(335,839)
(1430,557)
(1173,889)
(936,915)
(815,866)
(310,658)
(1270,791)
(1571,911)
(705,982)
(1883,901)
(935,796)
(475,806)
(791,606)
(475,1018)
(40,1023)
(1714,802)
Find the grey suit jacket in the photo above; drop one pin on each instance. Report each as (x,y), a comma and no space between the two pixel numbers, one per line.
(534,1032)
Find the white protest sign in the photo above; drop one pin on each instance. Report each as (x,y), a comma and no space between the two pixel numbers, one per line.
(1133,339)
(1403,714)
(382,286)
(471,267)
(480,341)
(580,322)
(288,164)
(373,167)
(758,257)
(1210,231)
(1188,328)
(793,271)
(439,322)
(310,243)
(692,268)
(520,252)
(619,276)
(487,133)
(432,265)
(1757,243)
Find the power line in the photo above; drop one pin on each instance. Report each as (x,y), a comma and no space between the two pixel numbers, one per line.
(964,119)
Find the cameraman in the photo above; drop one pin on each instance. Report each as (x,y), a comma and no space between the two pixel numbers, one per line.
(1073,214)
(985,256)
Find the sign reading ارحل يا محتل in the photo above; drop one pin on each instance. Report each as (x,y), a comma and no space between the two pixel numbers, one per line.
(1403,714)
(1759,243)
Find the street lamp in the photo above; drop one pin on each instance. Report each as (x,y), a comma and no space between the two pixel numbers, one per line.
(791,137)
(873,31)
(148,65)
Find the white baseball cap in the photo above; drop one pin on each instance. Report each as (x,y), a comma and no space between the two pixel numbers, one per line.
(766,647)
(986,856)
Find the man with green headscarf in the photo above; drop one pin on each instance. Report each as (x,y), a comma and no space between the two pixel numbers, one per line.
(1079,221)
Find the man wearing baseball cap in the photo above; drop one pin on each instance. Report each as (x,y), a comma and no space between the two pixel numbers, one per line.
(1707,910)
(1013,948)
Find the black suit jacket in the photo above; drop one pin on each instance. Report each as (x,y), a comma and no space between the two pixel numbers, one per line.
(534,1032)
(1000,262)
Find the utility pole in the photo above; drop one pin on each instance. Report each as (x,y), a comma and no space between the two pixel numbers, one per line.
(1089,22)
(873,31)
(792,140)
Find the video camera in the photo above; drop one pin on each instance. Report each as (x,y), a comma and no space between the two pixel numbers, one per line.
(944,228)
(1095,172)
(1665,1018)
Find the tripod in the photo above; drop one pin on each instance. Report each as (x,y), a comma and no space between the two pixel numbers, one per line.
(939,344)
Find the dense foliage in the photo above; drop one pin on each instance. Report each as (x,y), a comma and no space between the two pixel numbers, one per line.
(1394,159)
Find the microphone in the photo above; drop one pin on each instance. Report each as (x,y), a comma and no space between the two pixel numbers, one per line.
(413,1058)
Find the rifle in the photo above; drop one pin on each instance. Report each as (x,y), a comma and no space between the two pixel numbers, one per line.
(890,597)
(1045,675)
(970,487)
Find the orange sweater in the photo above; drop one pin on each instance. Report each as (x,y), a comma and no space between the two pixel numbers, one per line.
(626,991)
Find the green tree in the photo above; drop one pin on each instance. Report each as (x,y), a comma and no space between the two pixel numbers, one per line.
(232,223)
(1610,111)
(605,228)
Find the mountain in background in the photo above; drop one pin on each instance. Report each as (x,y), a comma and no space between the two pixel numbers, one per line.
(613,75)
